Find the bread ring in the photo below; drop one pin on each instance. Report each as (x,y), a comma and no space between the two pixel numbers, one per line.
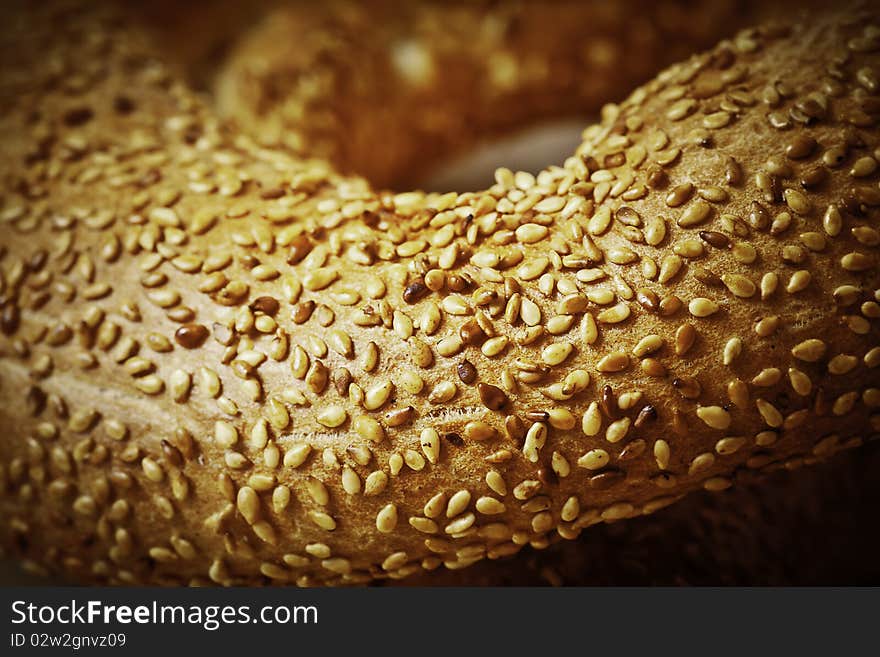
(221,362)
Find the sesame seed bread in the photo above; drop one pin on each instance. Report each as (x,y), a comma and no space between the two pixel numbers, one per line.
(222,362)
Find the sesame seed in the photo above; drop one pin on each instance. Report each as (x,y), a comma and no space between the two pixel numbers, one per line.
(458,503)
(714,416)
(479,431)
(842,364)
(595,459)
(681,109)
(856,262)
(832,221)
(430,442)
(531,233)
(460,524)
(614,315)
(798,281)
(661,454)
(739,285)
(368,428)
(695,214)
(376,396)
(863,167)
(332,416)
(534,442)
(592,420)
(323,520)
(647,345)
(492,397)
(191,336)
(685,337)
(770,413)
(467,373)
(556,353)
(809,351)
(702,307)
(386,519)
(617,430)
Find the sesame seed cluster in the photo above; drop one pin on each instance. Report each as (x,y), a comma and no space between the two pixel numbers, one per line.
(227,362)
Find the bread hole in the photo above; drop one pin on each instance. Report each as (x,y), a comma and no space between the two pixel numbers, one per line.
(529,149)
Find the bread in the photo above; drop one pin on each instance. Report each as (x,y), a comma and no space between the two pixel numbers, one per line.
(221,362)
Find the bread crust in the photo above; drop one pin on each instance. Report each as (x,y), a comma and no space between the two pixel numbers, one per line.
(224,363)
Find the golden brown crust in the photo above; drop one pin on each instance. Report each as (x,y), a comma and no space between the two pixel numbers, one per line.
(221,362)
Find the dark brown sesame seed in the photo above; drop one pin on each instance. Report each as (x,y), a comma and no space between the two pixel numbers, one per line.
(609,403)
(471,333)
(648,299)
(266,305)
(9,318)
(272,193)
(647,414)
(299,249)
(800,147)
(191,336)
(466,372)
(511,286)
(514,428)
(591,162)
(813,177)
(171,453)
(547,477)
(453,439)
(627,216)
(716,239)
(670,305)
(733,172)
(492,397)
(656,178)
(302,311)
(416,290)
(399,416)
(537,415)
(758,217)
(614,160)
(811,108)
(249,261)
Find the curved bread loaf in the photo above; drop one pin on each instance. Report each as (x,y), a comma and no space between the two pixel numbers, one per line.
(220,362)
